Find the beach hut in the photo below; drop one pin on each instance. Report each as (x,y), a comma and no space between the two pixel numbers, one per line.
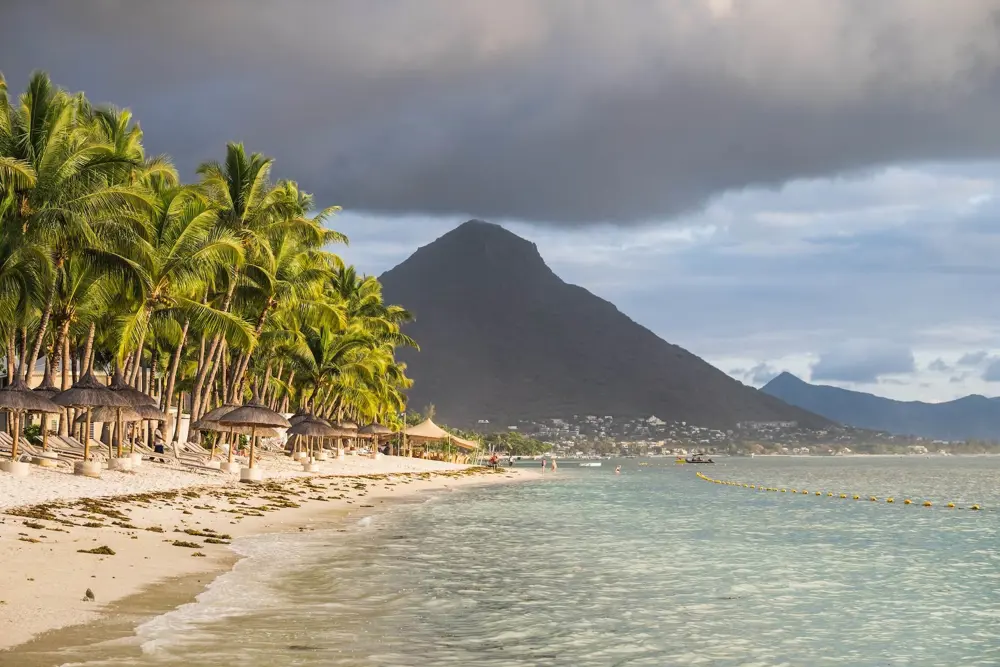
(428,431)
(17,399)
(256,416)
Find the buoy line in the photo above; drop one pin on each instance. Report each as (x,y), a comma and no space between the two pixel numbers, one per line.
(829,494)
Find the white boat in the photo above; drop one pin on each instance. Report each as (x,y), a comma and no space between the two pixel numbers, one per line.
(591,464)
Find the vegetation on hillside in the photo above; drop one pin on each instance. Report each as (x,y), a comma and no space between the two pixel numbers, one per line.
(201,292)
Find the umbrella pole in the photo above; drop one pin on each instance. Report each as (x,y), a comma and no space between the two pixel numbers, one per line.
(253,438)
(215,441)
(45,432)
(232,443)
(86,437)
(118,433)
(17,434)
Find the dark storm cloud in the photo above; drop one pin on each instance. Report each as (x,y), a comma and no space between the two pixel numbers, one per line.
(568,111)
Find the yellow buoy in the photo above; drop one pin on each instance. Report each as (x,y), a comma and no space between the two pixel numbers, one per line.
(974,507)
(907,502)
(804,492)
(927,503)
(783,491)
(890,500)
(857,497)
(843,495)
(951,505)
(829,495)
(873,498)
(794,491)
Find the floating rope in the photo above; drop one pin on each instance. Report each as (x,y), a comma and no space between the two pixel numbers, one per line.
(829,494)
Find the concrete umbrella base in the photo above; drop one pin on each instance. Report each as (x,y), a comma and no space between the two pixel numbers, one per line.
(136,459)
(307,466)
(16,468)
(226,466)
(123,464)
(254,474)
(87,468)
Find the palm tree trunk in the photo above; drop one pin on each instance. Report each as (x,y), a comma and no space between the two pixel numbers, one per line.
(10,358)
(137,363)
(240,372)
(63,349)
(168,394)
(203,369)
(88,349)
(42,326)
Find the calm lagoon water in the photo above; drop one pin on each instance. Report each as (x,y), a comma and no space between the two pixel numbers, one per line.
(650,567)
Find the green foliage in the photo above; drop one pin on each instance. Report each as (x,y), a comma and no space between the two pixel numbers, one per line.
(222,286)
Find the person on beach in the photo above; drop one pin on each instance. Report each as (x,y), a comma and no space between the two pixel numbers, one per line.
(494,461)
(158,446)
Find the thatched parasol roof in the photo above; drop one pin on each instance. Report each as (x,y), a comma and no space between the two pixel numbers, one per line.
(310,427)
(348,425)
(130,394)
(17,397)
(218,413)
(47,388)
(216,427)
(150,412)
(254,414)
(109,415)
(375,429)
(88,392)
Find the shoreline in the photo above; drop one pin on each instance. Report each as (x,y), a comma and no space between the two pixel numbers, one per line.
(169,546)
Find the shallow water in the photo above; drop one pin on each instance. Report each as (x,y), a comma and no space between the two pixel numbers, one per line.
(650,567)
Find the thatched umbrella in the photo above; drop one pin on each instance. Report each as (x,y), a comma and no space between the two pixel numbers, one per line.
(48,389)
(17,399)
(299,415)
(210,422)
(312,428)
(134,397)
(350,430)
(254,415)
(88,393)
(131,394)
(374,431)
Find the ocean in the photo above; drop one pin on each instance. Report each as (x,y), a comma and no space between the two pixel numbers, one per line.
(651,567)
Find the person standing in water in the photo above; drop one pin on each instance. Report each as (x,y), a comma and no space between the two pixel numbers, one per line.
(554,466)
(543,465)
(618,470)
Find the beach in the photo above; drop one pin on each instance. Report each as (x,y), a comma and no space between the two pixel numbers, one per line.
(62,536)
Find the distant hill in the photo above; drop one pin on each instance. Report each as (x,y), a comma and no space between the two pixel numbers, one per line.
(971,417)
(503,338)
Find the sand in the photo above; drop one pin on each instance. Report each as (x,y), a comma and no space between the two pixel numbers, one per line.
(166,523)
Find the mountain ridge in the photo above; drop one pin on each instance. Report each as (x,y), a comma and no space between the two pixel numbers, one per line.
(503,338)
(969,417)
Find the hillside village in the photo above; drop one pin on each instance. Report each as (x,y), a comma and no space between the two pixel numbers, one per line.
(594,434)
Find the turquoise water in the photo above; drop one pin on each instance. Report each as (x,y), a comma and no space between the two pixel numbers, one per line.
(650,567)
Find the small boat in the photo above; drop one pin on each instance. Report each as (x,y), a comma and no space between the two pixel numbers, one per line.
(698,459)
(590,464)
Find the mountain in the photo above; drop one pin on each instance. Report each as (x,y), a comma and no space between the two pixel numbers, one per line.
(971,417)
(503,338)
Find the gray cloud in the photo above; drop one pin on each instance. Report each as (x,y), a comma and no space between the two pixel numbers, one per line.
(992,371)
(973,358)
(938,366)
(761,374)
(863,362)
(571,111)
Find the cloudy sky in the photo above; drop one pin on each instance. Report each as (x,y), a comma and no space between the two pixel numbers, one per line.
(807,186)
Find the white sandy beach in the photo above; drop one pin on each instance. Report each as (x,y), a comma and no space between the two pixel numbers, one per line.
(48,518)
